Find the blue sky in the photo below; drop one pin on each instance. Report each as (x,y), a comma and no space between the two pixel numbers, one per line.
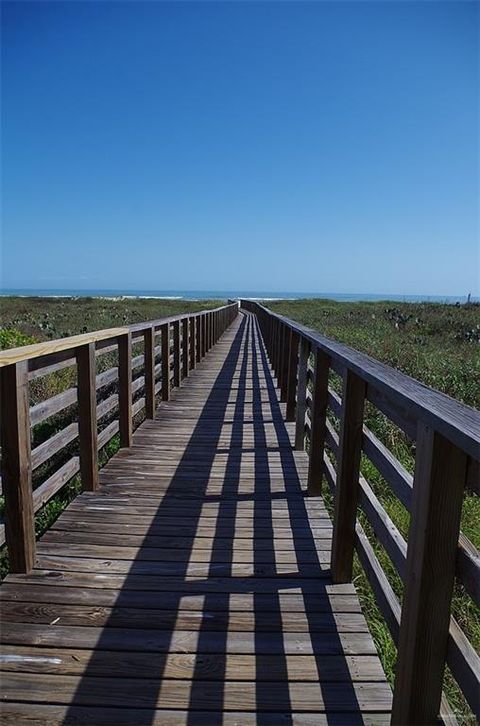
(239,145)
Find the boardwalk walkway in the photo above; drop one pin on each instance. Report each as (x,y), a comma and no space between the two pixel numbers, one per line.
(193,588)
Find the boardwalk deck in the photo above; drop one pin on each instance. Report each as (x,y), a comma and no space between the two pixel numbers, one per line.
(194,587)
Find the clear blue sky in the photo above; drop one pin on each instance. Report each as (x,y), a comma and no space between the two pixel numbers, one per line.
(239,145)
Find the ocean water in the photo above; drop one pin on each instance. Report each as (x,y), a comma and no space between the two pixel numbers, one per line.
(234,294)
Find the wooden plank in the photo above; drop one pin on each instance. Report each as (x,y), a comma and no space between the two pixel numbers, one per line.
(37,714)
(303,668)
(151,640)
(53,445)
(55,482)
(125,388)
(87,416)
(27,352)
(122,617)
(347,489)
(177,693)
(17,468)
(439,478)
(44,409)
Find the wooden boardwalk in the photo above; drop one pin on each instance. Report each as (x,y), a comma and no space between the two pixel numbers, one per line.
(193,587)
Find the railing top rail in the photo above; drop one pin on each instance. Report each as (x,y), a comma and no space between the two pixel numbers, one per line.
(414,400)
(48,347)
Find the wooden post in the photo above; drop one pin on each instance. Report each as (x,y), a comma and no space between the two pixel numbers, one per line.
(185,350)
(17,467)
(318,421)
(87,416)
(176,352)
(204,334)
(348,473)
(285,353)
(276,355)
(193,346)
(301,395)
(440,471)
(125,388)
(149,362)
(199,338)
(292,376)
(165,331)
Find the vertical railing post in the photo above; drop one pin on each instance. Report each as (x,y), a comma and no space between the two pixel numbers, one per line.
(292,375)
(348,476)
(278,354)
(199,338)
(285,359)
(318,421)
(165,333)
(281,343)
(204,334)
(17,467)
(440,472)
(87,416)
(176,352)
(301,394)
(125,388)
(185,350)
(193,346)
(149,365)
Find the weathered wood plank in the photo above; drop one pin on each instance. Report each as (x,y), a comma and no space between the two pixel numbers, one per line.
(87,416)
(17,467)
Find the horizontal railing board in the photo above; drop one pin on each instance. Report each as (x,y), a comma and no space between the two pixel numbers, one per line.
(29,352)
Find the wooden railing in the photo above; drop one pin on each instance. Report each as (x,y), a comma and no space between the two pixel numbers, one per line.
(447,439)
(169,349)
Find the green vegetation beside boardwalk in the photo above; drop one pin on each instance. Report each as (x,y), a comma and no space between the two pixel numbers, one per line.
(435,343)
(439,345)
(32,319)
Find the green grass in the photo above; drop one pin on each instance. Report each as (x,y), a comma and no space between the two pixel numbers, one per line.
(438,345)
(46,318)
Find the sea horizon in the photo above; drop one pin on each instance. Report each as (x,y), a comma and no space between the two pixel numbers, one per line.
(126,294)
